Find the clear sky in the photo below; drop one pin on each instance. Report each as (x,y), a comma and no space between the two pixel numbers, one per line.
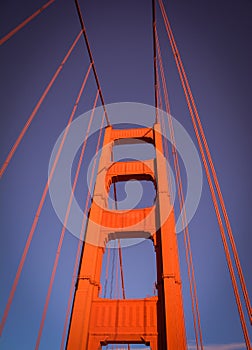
(214,39)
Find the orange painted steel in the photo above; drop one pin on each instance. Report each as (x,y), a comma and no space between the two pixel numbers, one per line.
(114,321)
(156,321)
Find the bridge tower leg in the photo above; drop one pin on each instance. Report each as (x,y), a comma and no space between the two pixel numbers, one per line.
(156,321)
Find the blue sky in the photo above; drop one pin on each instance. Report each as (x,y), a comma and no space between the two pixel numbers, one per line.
(214,39)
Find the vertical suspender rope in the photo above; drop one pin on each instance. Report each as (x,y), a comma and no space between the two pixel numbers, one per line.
(112,271)
(119,253)
(106,273)
(88,197)
(179,189)
(189,261)
(84,223)
(191,276)
(158,97)
(161,120)
(36,108)
(119,243)
(119,249)
(27,20)
(216,182)
(208,174)
(99,139)
(121,268)
(40,206)
(117,288)
(64,226)
(224,240)
(77,258)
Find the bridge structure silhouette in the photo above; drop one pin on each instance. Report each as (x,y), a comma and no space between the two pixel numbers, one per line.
(93,318)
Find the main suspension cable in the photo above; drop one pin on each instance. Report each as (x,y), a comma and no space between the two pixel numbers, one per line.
(166,153)
(158,102)
(190,268)
(91,59)
(27,20)
(184,227)
(36,108)
(39,209)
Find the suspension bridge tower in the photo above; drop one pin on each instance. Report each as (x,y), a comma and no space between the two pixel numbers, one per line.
(157,321)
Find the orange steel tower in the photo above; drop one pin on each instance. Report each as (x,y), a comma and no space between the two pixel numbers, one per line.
(156,321)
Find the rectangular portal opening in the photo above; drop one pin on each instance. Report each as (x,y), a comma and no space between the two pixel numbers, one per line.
(139,269)
(132,194)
